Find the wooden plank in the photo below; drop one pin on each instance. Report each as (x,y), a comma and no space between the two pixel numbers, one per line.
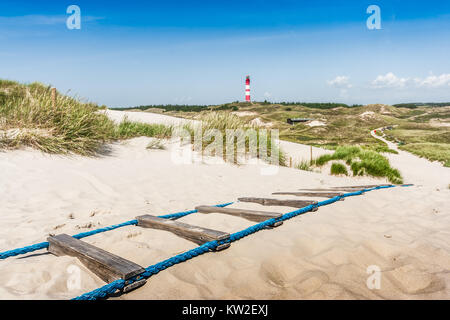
(192,233)
(278,202)
(104,264)
(345,188)
(360,187)
(252,215)
(334,189)
(311,194)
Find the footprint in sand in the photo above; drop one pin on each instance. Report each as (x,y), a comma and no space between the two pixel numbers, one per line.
(412,280)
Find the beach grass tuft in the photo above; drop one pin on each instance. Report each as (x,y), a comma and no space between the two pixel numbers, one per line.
(338,168)
(363,162)
(129,129)
(220,121)
(29,118)
(304,165)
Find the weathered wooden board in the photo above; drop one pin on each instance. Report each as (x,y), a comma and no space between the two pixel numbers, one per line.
(279,202)
(252,215)
(345,188)
(334,189)
(192,233)
(104,264)
(361,187)
(310,194)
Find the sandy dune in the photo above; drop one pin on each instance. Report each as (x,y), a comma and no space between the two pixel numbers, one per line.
(322,255)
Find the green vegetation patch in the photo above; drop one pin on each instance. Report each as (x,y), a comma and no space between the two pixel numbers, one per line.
(363,162)
(432,151)
(304,165)
(130,129)
(29,118)
(338,168)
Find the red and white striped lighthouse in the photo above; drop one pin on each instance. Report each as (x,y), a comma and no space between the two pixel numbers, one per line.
(247,89)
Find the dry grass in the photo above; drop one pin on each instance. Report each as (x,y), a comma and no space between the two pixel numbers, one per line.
(30,119)
(244,134)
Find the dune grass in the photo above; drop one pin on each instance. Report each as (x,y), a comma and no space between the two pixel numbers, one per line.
(130,129)
(432,151)
(304,165)
(380,148)
(338,168)
(156,144)
(363,162)
(28,117)
(424,140)
(222,122)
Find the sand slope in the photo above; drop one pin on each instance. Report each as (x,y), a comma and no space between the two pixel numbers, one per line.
(322,255)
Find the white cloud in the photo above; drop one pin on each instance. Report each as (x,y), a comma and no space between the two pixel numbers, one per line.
(433,81)
(390,80)
(267,94)
(340,82)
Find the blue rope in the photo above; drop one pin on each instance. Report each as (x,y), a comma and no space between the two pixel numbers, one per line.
(116,226)
(109,289)
(16,252)
(44,245)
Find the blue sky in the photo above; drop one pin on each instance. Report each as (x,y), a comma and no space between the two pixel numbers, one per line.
(131,53)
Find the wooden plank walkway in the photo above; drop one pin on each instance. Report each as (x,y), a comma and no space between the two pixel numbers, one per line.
(346,188)
(252,215)
(279,202)
(311,194)
(332,190)
(109,267)
(192,233)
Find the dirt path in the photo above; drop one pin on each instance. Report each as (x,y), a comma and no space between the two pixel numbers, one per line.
(414,169)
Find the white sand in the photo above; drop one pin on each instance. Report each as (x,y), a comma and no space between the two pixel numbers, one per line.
(147,117)
(316,123)
(260,123)
(322,255)
(367,115)
(301,152)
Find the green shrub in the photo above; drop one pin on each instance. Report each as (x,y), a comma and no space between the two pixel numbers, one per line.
(363,162)
(338,168)
(380,148)
(129,129)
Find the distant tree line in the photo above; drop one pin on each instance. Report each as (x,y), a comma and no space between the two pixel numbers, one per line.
(422,104)
(316,105)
